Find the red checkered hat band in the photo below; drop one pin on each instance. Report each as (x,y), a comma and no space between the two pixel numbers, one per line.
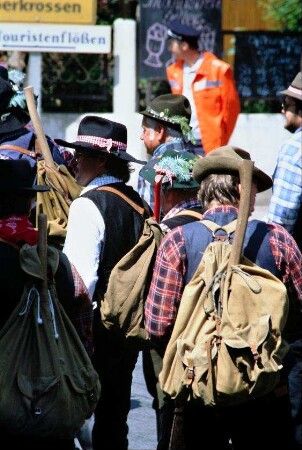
(101,142)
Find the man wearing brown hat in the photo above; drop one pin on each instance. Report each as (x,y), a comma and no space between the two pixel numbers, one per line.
(165,127)
(285,205)
(178,256)
(102,228)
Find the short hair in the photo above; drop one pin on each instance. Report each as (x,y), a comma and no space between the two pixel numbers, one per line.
(118,168)
(220,188)
(171,132)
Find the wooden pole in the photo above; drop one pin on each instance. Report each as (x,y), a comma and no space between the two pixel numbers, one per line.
(246,176)
(30,100)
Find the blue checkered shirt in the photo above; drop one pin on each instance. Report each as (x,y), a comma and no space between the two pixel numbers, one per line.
(287,184)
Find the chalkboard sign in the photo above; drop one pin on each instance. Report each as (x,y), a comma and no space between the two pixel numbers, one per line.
(266,62)
(155,15)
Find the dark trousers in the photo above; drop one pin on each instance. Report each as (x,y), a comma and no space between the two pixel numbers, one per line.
(293,367)
(162,405)
(114,359)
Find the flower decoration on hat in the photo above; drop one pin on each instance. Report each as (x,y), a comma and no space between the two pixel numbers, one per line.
(182,121)
(168,169)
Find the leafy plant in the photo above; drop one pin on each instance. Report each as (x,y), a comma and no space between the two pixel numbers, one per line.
(287,13)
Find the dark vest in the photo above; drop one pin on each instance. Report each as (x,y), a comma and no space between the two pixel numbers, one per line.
(123,226)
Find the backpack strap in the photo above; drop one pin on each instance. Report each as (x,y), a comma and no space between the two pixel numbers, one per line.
(16,148)
(189,212)
(137,208)
(228,228)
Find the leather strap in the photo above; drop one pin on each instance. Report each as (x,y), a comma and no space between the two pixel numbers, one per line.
(189,212)
(30,153)
(137,208)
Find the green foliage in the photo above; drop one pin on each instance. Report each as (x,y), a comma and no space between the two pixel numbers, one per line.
(287,13)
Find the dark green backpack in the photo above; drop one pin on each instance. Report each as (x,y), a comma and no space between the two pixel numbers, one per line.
(48,386)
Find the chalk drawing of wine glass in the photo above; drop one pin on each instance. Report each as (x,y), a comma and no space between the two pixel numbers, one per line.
(155,44)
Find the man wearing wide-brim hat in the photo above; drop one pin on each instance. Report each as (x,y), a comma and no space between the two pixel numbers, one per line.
(285,208)
(178,257)
(166,126)
(102,227)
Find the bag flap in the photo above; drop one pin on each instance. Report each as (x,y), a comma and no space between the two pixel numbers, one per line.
(251,336)
(32,387)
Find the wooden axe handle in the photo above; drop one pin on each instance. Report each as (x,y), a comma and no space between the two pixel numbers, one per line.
(30,100)
(246,176)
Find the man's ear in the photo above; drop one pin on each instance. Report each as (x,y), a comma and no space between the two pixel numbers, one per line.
(161,130)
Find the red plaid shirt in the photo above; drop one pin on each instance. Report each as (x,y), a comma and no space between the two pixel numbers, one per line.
(167,283)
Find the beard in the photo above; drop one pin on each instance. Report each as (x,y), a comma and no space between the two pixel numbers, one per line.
(291,127)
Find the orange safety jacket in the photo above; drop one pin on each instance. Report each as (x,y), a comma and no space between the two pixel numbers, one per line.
(216,98)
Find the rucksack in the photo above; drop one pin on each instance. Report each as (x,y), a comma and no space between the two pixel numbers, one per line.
(48,385)
(226,346)
(122,308)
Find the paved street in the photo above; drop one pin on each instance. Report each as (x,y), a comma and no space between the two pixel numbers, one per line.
(141,420)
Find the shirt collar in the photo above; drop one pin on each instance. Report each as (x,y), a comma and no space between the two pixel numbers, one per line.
(101,181)
(185,204)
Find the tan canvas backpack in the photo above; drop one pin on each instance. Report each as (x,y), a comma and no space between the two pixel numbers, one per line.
(226,346)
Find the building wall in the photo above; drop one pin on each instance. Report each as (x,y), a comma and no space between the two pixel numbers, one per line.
(260,134)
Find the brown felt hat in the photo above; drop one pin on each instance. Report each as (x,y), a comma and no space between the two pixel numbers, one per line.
(295,88)
(225,160)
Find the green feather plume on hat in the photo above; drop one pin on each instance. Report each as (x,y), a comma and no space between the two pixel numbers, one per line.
(184,125)
(175,168)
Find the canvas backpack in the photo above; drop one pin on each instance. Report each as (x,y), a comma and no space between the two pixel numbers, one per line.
(226,346)
(48,385)
(122,307)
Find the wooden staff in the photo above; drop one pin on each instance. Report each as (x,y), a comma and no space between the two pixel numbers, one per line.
(246,176)
(31,105)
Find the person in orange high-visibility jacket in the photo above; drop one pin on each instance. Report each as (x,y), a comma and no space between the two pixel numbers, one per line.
(209,85)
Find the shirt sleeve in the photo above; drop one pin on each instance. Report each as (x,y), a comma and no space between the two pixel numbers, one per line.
(83,243)
(145,190)
(167,286)
(288,260)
